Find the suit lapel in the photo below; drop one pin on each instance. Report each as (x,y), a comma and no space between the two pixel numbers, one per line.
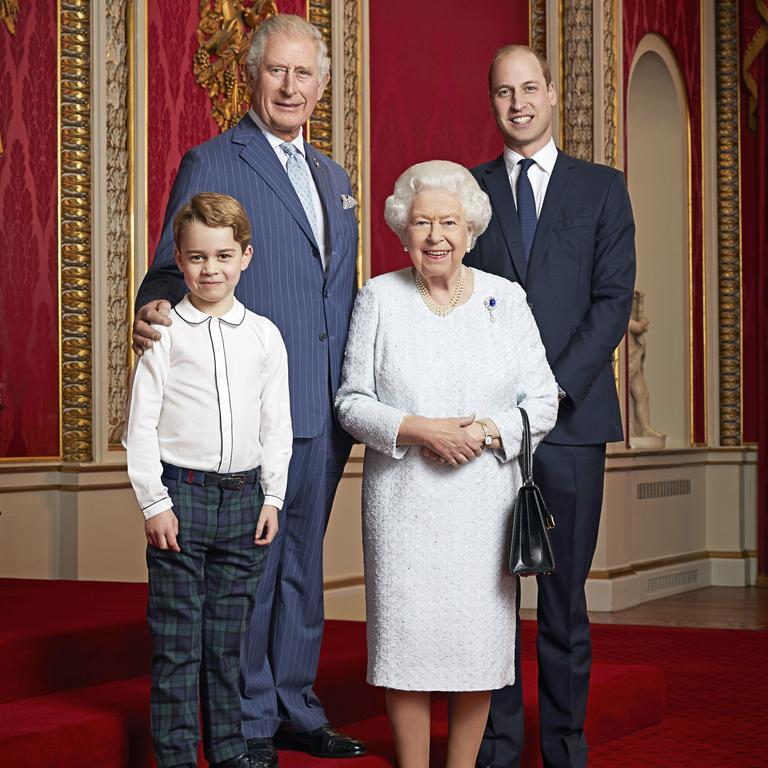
(325,190)
(260,156)
(553,202)
(500,192)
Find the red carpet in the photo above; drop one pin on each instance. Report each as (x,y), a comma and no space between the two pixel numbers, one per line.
(73,656)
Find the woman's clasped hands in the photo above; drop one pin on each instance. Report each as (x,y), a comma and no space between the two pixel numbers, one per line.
(450,440)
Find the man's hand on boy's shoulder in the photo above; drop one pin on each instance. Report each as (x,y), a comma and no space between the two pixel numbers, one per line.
(266,528)
(162,530)
(158,312)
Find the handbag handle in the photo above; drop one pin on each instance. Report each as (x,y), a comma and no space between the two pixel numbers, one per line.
(527,450)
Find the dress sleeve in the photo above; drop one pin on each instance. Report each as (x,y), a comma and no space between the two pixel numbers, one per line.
(358,407)
(536,391)
(141,438)
(275,433)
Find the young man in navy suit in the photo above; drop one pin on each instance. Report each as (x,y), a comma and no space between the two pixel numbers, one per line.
(302,278)
(563,229)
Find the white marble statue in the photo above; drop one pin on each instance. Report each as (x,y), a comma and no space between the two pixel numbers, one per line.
(642,434)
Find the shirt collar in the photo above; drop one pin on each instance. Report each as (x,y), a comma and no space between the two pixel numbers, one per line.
(545,158)
(190,314)
(276,141)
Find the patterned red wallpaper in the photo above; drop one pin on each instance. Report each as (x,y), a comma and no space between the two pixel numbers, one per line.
(679,23)
(754,211)
(178,108)
(429,94)
(29,341)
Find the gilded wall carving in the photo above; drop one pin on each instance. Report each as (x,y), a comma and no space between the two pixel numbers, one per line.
(8,12)
(539,26)
(119,239)
(576,79)
(610,89)
(729,266)
(224,33)
(320,128)
(353,111)
(75,242)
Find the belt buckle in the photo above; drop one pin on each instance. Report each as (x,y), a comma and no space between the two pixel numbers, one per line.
(235,482)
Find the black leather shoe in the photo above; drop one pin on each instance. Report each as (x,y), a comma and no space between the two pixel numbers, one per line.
(240,761)
(262,753)
(322,742)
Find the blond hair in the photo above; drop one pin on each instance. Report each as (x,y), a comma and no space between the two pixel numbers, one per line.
(214,210)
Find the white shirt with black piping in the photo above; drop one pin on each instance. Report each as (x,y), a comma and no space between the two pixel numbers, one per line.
(211,395)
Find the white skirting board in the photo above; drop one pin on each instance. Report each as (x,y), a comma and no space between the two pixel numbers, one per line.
(643,585)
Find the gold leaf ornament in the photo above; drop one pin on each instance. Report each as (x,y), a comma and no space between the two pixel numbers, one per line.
(8,11)
(224,34)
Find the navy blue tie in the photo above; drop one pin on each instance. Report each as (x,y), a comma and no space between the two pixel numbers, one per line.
(526,205)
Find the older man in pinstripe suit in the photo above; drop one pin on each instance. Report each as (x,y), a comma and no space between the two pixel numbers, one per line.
(302,277)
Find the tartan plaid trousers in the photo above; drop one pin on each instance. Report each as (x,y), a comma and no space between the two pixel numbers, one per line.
(200,603)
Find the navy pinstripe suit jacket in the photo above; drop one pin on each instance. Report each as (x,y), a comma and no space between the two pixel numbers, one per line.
(285,280)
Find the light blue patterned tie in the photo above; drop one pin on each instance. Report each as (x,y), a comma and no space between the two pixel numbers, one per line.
(298,173)
(526,206)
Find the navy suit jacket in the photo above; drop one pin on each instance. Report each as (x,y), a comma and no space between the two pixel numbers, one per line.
(285,280)
(579,279)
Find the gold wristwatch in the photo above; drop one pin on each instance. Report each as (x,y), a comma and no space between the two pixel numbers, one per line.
(488,437)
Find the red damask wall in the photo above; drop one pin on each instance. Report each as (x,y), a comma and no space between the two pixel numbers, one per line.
(178,108)
(429,93)
(29,335)
(754,250)
(679,23)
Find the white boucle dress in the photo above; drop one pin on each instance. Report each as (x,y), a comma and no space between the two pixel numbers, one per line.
(440,604)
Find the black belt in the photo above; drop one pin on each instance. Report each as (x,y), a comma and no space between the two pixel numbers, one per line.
(233,481)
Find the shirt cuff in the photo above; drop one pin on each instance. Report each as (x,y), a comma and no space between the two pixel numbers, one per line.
(156,507)
(273,500)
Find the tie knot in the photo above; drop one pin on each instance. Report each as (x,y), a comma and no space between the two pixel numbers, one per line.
(525,164)
(289,149)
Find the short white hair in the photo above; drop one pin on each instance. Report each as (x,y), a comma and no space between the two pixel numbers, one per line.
(290,26)
(440,175)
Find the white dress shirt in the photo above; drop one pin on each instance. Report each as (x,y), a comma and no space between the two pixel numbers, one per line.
(298,142)
(539,173)
(211,395)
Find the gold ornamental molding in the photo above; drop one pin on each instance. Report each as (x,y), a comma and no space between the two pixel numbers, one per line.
(9,10)
(224,34)
(751,52)
(610,85)
(120,210)
(75,229)
(353,111)
(320,125)
(728,232)
(538,27)
(576,92)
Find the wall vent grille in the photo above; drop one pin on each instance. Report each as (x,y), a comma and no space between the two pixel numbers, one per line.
(661,489)
(673,581)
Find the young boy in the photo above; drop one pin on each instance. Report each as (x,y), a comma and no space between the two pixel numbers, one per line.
(209,442)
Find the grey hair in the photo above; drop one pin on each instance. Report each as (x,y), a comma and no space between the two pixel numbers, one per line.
(290,26)
(439,175)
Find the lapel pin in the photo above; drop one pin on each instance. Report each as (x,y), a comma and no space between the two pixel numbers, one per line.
(490,305)
(316,162)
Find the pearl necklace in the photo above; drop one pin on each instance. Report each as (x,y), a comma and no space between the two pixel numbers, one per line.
(441,310)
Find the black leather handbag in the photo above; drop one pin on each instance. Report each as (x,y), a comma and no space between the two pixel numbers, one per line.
(530,551)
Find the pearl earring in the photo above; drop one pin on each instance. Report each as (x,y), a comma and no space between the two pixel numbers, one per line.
(405,248)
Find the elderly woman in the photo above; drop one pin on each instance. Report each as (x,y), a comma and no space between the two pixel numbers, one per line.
(438,360)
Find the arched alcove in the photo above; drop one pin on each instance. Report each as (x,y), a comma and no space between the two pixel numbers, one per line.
(658,174)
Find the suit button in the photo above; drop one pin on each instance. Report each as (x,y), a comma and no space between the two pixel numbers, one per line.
(323,336)
(325,293)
